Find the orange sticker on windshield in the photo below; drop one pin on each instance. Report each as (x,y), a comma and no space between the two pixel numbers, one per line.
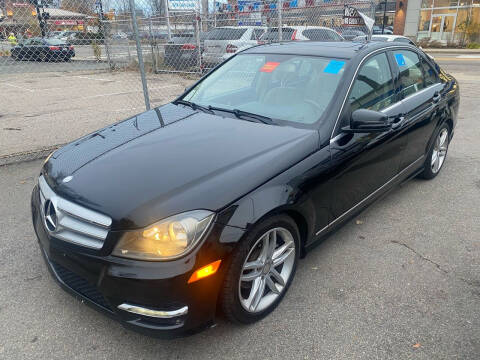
(269,66)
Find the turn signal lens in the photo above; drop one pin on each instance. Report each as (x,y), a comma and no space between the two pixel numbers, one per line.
(205,271)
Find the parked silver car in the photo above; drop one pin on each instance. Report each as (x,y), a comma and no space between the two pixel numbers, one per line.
(223,42)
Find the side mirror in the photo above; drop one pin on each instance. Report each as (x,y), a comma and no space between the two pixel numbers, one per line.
(366,121)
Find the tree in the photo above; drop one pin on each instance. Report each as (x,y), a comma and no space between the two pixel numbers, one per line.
(470,29)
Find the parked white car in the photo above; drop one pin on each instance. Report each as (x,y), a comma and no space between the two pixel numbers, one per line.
(316,33)
(223,42)
(398,38)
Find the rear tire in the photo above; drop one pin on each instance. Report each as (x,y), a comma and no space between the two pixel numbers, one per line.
(438,153)
(262,268)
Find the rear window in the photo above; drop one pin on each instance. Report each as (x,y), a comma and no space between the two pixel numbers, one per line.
(226,34)
(183,39)
(55,42)
(272,34)
(378,38)
(321,35)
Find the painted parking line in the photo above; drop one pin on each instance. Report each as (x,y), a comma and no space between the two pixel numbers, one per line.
(468,56)
(19,87)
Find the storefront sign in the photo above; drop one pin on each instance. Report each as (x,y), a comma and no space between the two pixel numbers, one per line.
(351,16)
(182,5)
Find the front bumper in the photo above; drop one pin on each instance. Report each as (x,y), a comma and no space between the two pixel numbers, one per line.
(119,287)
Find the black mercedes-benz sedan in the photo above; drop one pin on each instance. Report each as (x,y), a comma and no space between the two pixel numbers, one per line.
(206,204)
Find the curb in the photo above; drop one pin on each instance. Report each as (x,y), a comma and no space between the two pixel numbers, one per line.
(27,155)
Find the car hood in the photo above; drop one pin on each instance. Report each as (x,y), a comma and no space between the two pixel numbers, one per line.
(172,159)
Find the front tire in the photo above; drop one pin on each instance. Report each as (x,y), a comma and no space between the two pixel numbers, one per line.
(437,154)
(261,270)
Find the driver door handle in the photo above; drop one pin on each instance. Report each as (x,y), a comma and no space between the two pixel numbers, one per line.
(397,121)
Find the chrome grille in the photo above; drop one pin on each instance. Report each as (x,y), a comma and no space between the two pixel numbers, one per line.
(73,223)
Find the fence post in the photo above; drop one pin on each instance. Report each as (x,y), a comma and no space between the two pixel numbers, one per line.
(141,65)
(197,40)
(168,21)
(280,22)
(153,44)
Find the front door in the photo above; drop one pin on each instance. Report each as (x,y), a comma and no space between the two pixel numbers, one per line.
(420,89)
(365,162)
(441,28)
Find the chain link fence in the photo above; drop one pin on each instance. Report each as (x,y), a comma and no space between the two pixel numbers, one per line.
(81,64)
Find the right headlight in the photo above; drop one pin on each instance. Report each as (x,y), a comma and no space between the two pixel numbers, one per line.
(167,239)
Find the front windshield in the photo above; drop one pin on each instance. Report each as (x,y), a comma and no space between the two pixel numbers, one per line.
(282,87)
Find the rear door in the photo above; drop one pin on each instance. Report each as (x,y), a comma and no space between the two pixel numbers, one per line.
(365,162)
(420,89)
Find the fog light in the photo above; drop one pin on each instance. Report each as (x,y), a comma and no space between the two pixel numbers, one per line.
(205,271)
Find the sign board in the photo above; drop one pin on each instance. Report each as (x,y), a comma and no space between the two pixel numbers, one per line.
(351,17)
(183,5)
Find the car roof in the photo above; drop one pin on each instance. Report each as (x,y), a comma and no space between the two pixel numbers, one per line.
(334,49)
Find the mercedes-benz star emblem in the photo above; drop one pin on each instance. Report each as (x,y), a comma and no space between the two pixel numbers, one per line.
(50,216)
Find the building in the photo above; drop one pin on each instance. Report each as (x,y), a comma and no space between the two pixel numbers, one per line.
(444,21)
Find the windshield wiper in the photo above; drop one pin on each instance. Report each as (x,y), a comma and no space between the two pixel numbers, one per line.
(194,106)
(240,113)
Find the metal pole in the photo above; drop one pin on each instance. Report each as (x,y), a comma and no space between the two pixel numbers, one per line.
(140,55)
(280,22)
(103,26)
(197,38)
(384,15)
(40,19)
(168,21)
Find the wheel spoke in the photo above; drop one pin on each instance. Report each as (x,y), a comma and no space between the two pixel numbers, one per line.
(278,252)
(434,157)
(436,166)
(266,241)
(253,265)
(250,276)
(271,285)
(277,276)
(258,294)
(272,244)
(443,137)
(281,258)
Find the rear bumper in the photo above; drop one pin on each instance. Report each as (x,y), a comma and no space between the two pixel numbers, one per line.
(149,297)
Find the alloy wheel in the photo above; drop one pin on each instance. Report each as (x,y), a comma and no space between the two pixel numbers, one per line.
(439,151)
(266,270)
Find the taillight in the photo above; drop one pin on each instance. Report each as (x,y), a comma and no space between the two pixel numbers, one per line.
(71,47)
(54,48)
(188,47)
(294,35)
(261,42)
(231,49)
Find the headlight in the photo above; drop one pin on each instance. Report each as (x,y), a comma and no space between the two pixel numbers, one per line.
(167,239)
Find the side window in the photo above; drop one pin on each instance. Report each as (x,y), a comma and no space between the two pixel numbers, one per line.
(429,74)
(373,87)
(411,75)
